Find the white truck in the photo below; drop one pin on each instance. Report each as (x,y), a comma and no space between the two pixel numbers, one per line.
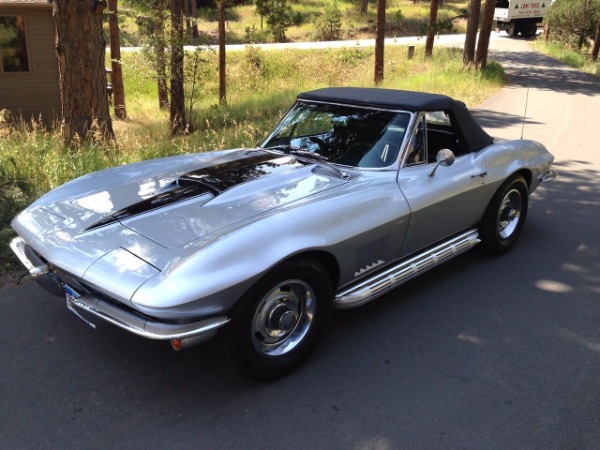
(520,16)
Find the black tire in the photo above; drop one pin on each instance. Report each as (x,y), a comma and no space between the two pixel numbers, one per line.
(505,216)
(529,29)
(279,321)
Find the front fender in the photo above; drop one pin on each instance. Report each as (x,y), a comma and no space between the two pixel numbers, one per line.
(222,268)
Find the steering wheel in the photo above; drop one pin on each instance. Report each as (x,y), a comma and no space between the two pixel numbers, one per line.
(320,142)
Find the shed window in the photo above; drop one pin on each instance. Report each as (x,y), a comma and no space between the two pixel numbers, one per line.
(13,47)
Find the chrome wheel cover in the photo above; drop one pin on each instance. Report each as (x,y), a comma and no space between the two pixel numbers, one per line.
(509,214)
(283,318)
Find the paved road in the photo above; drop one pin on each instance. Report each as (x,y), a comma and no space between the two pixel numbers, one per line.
(484,353)
(444,39)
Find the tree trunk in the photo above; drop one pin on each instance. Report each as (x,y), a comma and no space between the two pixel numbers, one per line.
(471,37)
(596,43)
(483,43)
(82,76)
(177,95)
(187,15)
(194,13)
(379,41)
(433,12)
(160,53)
(581,40)
(364,6)
(115,61)
(222,60)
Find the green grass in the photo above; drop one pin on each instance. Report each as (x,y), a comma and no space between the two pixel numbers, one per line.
(573,58)
(261,87)
(403,17)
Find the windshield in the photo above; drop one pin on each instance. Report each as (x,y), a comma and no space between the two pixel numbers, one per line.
(345,135)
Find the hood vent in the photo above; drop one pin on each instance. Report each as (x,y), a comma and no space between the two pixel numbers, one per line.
(224,176)
(333,172)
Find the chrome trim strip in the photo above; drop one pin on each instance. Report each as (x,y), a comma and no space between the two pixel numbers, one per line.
(145,328)
(405,271)
(549,175)
(35,268)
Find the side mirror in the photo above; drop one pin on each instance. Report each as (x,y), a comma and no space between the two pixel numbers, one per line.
(445,157)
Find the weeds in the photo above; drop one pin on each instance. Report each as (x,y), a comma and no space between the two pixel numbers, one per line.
(574,58)
(13,198)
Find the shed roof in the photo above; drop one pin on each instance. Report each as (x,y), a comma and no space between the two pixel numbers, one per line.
(26,3)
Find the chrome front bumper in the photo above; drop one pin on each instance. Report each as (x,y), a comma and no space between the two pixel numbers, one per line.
(549,175)
(112,312)
(143,327)
(32,263)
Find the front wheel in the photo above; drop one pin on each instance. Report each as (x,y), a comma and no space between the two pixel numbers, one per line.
(505,216)
(278,322)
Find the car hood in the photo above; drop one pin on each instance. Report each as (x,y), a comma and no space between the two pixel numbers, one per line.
(187,199)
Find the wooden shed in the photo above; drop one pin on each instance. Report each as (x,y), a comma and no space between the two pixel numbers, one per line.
(29,86)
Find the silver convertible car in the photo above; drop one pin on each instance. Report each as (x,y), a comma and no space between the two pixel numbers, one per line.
(355,192)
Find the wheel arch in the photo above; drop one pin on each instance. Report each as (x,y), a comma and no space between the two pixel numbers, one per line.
(526,174)
(278,322)
(498,216)
(326,259)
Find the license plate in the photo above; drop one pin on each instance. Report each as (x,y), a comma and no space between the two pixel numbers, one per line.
(71,296)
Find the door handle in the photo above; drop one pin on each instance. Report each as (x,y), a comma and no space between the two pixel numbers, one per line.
(479,174)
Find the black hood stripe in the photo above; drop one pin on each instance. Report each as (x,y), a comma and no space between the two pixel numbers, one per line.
(209,180)
(224,176)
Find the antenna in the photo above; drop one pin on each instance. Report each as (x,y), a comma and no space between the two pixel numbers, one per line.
(526,102)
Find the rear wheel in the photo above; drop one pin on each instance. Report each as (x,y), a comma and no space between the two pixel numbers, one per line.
(529,29)
(505,216)
(278,322)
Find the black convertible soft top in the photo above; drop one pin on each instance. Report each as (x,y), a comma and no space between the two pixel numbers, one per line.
(473,136)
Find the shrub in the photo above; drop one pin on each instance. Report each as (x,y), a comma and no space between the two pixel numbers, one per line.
(329,25)
(13,198)
(573,21)
(279,15)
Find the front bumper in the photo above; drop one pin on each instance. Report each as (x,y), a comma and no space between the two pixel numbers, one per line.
(143,327)
(119,316)
(549,175)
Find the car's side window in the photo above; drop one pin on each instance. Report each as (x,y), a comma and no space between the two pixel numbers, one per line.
(441,134)
(417,147)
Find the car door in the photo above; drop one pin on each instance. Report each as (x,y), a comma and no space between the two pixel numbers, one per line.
(445,202)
